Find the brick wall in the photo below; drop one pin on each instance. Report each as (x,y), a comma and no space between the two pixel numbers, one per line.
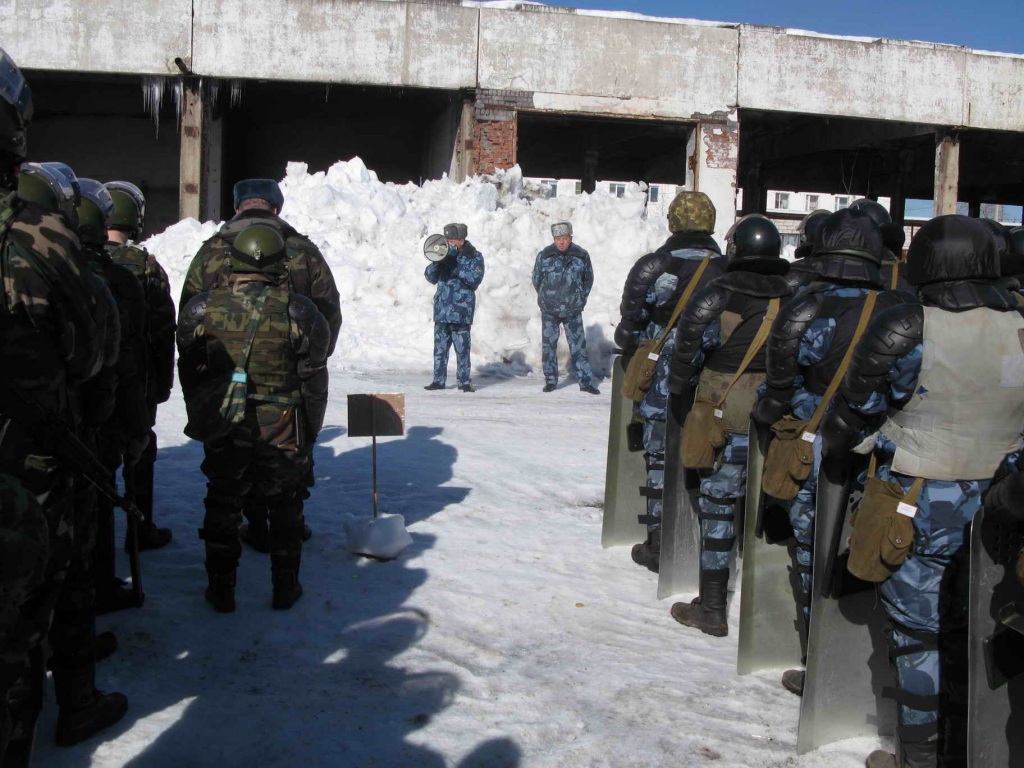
(495,134)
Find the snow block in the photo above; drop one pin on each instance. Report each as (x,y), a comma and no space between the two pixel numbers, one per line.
(383,537)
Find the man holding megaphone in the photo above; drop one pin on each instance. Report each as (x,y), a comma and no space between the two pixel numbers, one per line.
(457,274)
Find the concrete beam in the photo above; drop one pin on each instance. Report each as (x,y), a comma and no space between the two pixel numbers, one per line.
(947,172)
(356,41)
(582,63)
(190,188)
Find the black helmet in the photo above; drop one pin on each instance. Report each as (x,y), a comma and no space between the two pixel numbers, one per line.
(258,248)
(755,245)
(849,232)
(810,232)
(129,208)
(94,209)
(49,189)
(872,208)
(1001,235)
(953,247)
(1017,240)
(15,108)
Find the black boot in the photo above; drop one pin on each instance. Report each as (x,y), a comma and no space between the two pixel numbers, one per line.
(287,589)
(707,612)
(915,754)
(220,592)
(150,537)
(286,534)
(793,681)
(114,595)
(648,554)
(84,710)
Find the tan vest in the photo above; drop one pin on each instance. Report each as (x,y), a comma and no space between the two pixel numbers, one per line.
(968,410)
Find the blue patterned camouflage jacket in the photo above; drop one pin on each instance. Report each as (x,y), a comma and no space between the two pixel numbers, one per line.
(563,280)
(457,278)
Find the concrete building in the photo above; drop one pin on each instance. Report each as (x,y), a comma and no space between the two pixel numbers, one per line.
(237,87)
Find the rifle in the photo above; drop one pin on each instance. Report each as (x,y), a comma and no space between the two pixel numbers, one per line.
(76,455)
(128,474)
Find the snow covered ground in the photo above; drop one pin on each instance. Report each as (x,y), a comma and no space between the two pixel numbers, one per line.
(504,636)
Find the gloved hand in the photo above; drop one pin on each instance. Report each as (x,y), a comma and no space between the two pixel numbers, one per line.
(1004,499)
(768,410)
(135,447)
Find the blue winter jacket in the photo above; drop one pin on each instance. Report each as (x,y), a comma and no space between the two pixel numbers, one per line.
(563,280)
(457,278)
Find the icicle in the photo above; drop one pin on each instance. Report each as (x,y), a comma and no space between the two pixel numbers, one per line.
(214,90)
(236,92)
(179,98)
(153,97)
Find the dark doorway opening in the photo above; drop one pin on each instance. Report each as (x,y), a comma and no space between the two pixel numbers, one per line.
(602,148)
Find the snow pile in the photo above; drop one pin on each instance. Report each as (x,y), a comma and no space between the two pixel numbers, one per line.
(372,235)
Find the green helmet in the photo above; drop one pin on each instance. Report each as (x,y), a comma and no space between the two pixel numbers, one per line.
(93,210)
(258,248)
(691,212)
(49,189)
(129,208)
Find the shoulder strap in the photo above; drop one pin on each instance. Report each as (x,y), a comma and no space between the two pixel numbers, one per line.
(1018,298)
(894,278)
(862,324)
(755,345)
(681,304)
(240,374)
(913,491)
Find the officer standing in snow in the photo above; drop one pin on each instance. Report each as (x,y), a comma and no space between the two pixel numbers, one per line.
(563,277)
(251,358)
(457,276)
(720,356)
(654,286)
(125,225)
(260,201)
(805,353)
(942,384)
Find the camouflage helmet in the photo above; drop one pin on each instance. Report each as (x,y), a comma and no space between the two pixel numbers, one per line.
(15,108)
(94,209)
(129,207)
(691,212)
(258,248)
(50,190)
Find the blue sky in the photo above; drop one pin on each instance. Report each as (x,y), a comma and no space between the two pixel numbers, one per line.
(996,25)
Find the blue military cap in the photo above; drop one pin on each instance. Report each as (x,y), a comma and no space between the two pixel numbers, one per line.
(261,189)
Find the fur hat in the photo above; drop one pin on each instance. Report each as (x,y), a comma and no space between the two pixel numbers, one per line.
(456,231)
(561,229)
(260,189)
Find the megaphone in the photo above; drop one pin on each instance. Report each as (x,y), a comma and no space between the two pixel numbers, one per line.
(436,247)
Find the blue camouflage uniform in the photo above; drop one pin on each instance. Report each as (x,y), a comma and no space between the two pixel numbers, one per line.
(563,282)
(457,277)
(929,591)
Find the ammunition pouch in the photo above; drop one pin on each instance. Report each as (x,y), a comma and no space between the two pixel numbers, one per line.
(883,528)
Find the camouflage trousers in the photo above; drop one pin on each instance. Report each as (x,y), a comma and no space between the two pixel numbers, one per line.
(926,599)
(719,490)
(260,460)
(577,341)
(447,335)
(652,411)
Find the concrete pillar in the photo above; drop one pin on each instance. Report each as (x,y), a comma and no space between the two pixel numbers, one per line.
(947,171)
(495,134)
(190,176)
(718,150)
(465,144)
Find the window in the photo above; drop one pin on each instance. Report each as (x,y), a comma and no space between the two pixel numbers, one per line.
(812,202)
(782,201)
(617,188)
(843,201)
(549,187)
(652,194)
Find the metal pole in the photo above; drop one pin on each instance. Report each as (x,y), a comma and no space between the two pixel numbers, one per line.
(373,429)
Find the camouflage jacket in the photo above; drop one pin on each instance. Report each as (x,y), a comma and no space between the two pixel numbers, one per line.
(563,280)
(160,317)
(24,548)
(308,272)
(118,394)
(51,315)
(457,278)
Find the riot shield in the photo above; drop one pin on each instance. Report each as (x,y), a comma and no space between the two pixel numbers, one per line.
(847,654)
(625,474)
(995,709)
(679,566)
(769,635)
